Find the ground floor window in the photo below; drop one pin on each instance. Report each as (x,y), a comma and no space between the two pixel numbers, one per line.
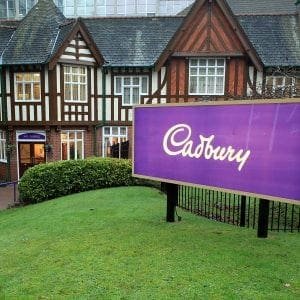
(2,147)
(72,145)
(114,138)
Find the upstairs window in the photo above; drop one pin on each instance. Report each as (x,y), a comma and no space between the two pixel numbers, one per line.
(75,84)
(131,88)
(28,86)
(2,147)
(206,76)
(280,86)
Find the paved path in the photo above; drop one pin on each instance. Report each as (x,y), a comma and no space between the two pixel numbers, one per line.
(7,196)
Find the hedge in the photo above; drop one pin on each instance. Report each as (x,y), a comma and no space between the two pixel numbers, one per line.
(52,180)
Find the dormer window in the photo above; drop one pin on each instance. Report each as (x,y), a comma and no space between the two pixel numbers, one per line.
(27,87)
(75,84)
(206,76)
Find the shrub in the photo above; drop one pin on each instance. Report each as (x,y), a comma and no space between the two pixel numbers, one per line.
(52,180)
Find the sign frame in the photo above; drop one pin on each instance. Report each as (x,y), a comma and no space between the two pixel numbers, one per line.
(212,103)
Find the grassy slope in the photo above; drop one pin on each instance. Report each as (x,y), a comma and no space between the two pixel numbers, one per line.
(115,243)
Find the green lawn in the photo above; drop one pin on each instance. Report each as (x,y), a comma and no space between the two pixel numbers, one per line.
(115,243)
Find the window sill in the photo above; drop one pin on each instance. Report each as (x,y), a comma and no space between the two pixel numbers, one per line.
(199,95)
(28,101)
(74,102)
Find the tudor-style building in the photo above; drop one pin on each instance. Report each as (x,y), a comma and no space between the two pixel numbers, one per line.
(68,86)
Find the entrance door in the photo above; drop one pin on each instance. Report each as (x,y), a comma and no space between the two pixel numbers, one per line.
(30,154)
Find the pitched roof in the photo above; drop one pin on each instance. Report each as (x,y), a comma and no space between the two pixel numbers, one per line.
(256,7)
(6,32)
(273,28)
(140,41)
(132,41)
(265,7)
(275,38)
(193,14)
(68,33)
(36,36)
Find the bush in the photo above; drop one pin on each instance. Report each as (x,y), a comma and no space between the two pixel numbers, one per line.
(52,180)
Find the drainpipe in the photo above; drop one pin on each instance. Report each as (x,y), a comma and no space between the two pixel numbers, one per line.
(104,70)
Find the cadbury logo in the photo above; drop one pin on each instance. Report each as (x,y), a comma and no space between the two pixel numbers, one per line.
(205,148)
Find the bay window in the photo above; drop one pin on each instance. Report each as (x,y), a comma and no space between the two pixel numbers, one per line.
(75,79)
(72,145)
(206,76)
(113,136)
(27,87)
(131,88)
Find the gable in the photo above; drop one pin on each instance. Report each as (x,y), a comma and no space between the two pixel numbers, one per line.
(210,29)
(78,47)
(209,32)
(77,51)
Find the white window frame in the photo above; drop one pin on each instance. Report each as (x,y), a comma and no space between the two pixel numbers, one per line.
(76,83)
(276,86)
(206,75)
(23,83)
(110,136)
(3,157)
(27,7)
(68,141)
(131,86)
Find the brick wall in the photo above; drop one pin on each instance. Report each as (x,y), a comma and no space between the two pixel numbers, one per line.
(53,138)
(3,172)
(13,156)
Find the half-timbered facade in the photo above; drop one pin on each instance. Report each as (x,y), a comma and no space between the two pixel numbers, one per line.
(68,86)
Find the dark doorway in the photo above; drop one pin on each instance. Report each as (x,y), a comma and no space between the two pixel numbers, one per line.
(30,154)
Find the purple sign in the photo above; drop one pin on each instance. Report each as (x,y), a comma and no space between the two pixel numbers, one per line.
(31,136)
(251,148)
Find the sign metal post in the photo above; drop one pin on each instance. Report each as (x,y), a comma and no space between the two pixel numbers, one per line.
(263,218)
(243,211)
(172,201)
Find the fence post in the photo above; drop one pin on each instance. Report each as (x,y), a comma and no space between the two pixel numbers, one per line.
(243,212)
(172,200)
(263,218)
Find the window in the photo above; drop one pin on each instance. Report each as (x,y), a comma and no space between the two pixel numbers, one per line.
(7,9)
(85,7)
(28,86)
(207,76)
(2,147)
(113,136)
(75,84)
(131,88)
(281,85)
(101,7)
(25,6)
(15,8)
(72,145)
